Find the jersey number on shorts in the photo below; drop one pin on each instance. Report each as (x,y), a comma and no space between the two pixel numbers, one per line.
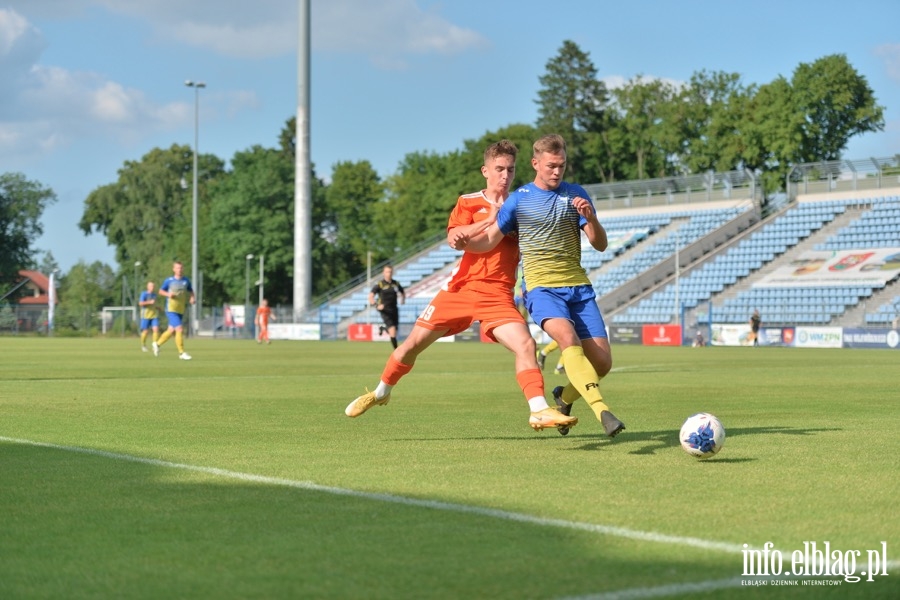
(426,314)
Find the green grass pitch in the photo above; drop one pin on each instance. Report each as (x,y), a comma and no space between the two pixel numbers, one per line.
(237,474)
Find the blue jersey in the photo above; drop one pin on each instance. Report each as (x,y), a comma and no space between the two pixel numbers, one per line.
(148,311)
(181,291)
(549,231)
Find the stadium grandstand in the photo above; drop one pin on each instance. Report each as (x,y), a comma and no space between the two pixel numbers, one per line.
(702,250)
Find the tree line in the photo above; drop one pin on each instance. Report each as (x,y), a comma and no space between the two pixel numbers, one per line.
(646,128)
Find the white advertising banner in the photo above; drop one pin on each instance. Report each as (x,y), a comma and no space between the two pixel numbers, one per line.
(819,337)
(294,331)
(731,335)
(869,268)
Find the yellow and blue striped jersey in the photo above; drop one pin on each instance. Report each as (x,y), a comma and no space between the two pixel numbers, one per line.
(149,311)
(549,231)
(181,291)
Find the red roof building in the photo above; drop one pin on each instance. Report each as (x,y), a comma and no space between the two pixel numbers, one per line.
(37,289)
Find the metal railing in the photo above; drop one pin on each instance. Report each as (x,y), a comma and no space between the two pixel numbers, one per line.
(843,176)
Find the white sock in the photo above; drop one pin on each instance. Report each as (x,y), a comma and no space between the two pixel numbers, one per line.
(382,390)
(538,403)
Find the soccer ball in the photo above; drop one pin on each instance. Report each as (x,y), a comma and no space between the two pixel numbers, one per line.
(702,435)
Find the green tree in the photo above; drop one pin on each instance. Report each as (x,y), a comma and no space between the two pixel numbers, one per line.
(836,103)
(771,128)
(709,117)
(571,102)
(22,203)
(419,199)
(83,291)
(355,191)
(47,264)
(251,212)
(643,107)
(146,214)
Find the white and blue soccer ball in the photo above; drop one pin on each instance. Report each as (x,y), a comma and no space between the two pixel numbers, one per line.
(702,435)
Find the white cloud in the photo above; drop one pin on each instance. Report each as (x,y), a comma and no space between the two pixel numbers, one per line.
(890,53)
(21,45)
(57,9)
(618,81)
(44,108)
(388,32)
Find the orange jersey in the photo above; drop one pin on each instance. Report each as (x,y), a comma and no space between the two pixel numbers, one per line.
(262,315)
(496,267)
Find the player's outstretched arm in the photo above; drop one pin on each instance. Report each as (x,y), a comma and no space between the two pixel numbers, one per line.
(485,240)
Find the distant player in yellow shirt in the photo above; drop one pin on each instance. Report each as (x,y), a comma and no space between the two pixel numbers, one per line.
(149,315)
(179,292)
(544,352)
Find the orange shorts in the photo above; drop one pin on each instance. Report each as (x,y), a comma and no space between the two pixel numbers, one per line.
(490,304)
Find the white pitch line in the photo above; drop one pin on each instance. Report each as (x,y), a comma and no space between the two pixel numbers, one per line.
(622,532)
(663,591)
(673,589)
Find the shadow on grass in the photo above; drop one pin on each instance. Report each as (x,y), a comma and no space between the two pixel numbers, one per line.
(652,441)
(79,526)
(649,442)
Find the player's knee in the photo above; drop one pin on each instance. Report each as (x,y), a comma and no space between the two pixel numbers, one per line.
(529,346)
(603,366)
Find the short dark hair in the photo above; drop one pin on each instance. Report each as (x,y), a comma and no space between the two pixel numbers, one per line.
(501,148)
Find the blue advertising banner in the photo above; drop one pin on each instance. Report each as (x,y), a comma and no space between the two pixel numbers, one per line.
(776,336)
(871,338)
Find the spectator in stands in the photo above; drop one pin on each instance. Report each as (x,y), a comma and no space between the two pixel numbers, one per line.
(480,289)
(149,315)
(699,340)
(755,322)
(263,314)
(386,292)
(549,216)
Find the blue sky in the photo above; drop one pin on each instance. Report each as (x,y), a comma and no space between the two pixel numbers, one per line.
(86,85)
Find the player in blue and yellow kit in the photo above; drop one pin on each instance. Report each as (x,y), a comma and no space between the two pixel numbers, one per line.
(179,292)
(149,315)
(550,215)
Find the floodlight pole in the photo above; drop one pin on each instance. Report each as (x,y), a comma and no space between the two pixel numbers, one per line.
(261,284)
(194,259)
(137,302)
(247,260)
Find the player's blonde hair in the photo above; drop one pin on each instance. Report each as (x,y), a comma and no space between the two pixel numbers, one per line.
(501,148)
(552,143)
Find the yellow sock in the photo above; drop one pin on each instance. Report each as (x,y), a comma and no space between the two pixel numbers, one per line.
(156,336)
(570,394)
(144,338)
(179,341)
(584,378)
(549,348)
(164,337)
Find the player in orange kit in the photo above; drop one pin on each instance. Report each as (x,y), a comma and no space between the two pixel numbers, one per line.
(263,314)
